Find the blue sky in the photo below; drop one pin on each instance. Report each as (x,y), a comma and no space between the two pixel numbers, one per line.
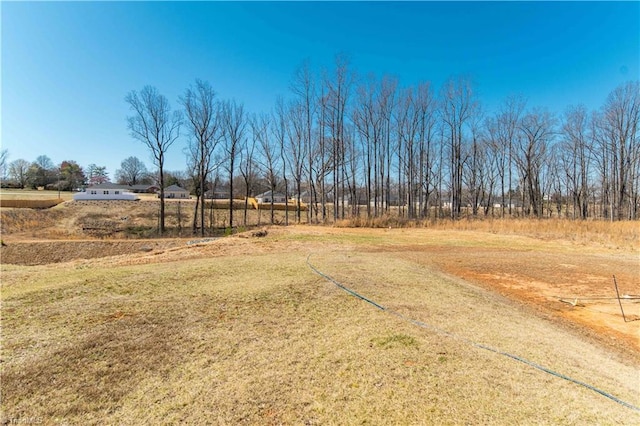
(66,67)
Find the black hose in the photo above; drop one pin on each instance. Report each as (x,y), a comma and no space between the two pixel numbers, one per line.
(470,342)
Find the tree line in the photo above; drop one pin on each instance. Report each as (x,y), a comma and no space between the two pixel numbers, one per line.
(69,175)
(350,146)
(347,145)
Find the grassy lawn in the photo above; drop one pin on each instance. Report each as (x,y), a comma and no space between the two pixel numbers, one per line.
(249,334)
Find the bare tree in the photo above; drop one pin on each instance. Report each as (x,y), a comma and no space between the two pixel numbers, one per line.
(325,160)
(131,171)
(303,88)
(634,182)
(18,171)
(203,122)
(260,127)
(601,154)
(365,120)
(495,164)
(537,128)
(352,166)
(233,128)
(338,88)
(621,119)
(425,105)
(193,170)
(296,148)
(386,105)
(373,117)
(4,156)
(407,127)
(555,182)
(503,131)
(575,158)
(248,172)
(414,125)
(476,157)
(458,105)
(279,130)
(153,124)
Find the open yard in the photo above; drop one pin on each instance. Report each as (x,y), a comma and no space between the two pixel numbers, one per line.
(243,330)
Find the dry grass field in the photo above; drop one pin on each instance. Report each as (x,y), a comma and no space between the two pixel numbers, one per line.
(241,330)
(118,219)
(29,194)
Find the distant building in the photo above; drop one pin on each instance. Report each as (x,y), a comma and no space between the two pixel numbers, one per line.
(174,191)
(266,197)
(217,195)
(106,191)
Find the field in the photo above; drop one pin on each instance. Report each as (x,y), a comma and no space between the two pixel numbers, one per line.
(244,330)
(27,194)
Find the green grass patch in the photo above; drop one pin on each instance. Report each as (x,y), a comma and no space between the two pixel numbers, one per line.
(139,231)
(395,340)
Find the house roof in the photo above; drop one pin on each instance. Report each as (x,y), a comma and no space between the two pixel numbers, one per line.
(175,188)
(108,185)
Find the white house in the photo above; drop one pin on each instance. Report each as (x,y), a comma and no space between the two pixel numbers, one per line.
(174,191)
(106,191)
(266,198)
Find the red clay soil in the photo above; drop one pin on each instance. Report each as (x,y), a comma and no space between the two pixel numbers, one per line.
(577,289)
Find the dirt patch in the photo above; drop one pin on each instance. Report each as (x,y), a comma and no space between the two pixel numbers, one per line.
(570,285)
